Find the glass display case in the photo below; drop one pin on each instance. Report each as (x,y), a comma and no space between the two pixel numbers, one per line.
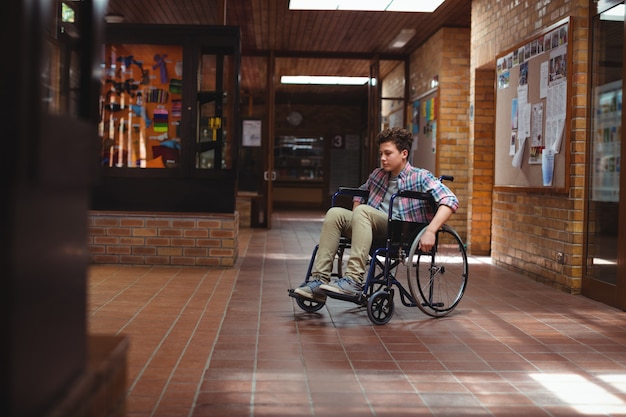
(141,106)
(299,158)
(169,125)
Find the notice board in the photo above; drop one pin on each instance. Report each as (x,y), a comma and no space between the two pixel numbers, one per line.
(532,109)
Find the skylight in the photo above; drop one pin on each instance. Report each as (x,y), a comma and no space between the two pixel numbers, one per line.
(615,14)
(424,6)
(322,79)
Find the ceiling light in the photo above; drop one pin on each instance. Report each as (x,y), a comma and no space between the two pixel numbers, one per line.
(615,14)
(114,18)
(322,80)
(402,38)
(313,5)
(366,5)
(424,6)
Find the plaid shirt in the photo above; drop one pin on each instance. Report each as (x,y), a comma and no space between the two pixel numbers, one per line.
(413,179)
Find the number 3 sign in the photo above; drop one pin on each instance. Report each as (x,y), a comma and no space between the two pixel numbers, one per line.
(338,142)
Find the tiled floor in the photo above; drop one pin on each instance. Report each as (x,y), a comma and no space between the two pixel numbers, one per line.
(231,342)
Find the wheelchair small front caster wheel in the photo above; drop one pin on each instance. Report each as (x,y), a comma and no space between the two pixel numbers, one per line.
(380,307)
(309,306)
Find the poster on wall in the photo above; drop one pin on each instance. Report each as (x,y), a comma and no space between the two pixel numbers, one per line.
(415,117)
(556,98)
(252,133)
(536,134)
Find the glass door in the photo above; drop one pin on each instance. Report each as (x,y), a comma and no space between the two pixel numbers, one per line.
(601,276)
(215,125)
(255,158)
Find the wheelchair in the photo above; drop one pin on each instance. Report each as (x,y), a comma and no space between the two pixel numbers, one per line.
(436,279)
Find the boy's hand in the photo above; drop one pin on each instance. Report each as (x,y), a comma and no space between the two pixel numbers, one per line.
(427,241)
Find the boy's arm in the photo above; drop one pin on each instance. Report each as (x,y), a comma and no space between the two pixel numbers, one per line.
(428,237)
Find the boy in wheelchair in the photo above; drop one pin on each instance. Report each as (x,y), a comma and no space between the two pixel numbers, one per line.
(366,222)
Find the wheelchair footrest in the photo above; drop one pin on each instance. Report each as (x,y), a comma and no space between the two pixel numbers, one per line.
(358,299)
(293,294)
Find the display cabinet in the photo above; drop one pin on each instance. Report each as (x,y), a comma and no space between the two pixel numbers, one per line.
(169,118)
(299,158)
(300,165)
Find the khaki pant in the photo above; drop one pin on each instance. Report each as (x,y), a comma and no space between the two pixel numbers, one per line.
(362,225)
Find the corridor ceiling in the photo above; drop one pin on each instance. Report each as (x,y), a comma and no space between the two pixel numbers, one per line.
(304,42)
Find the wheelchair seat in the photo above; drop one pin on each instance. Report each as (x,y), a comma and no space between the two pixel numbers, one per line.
(400,235)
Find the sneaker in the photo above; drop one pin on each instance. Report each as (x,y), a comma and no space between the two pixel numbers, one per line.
(345,286)
(311,290)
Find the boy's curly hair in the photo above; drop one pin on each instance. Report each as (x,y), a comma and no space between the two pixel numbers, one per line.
(402,138)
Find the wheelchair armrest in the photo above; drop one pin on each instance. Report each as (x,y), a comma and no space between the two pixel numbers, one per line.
(354,192)
(428,197)
(416,195)
(350,192)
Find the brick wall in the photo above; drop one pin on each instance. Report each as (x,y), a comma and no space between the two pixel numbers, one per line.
(192,239)
(530,228)
(447,55)
(482,164)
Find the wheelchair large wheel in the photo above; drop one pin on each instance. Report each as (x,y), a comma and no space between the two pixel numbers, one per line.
(380,307)
(437,279)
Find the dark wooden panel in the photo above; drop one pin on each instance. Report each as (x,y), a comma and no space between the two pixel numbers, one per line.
(214,195)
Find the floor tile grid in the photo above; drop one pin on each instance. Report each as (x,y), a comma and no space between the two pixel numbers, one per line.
(550,301)
(273,375)
(374,364)
(480,355)
(540,344)
(169,305)
(363,354)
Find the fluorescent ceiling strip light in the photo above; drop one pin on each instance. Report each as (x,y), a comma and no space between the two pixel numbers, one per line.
(423,6)
(402,38)
(322,80)
(368,5)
